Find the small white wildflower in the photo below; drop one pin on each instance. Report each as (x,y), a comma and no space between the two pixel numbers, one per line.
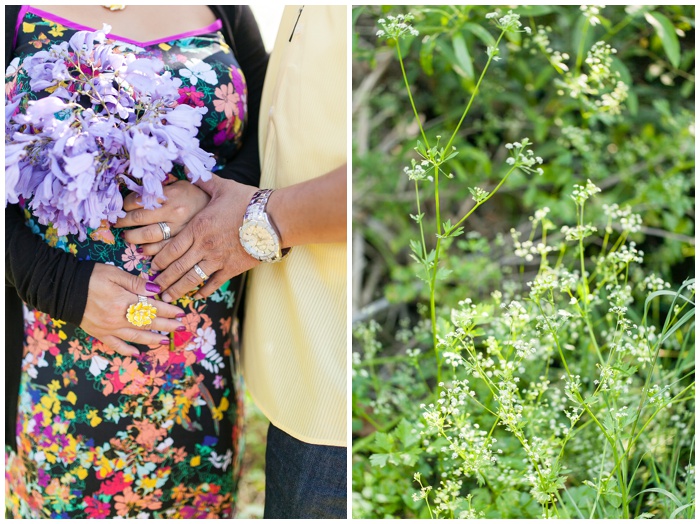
(395,27)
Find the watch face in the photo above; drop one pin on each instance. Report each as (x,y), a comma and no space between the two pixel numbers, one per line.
(258,239)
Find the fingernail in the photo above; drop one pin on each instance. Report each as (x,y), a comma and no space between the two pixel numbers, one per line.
(180,315)
(153,288)
(153,277)
(180,328)
(139,250)
(165,297)
(165,341)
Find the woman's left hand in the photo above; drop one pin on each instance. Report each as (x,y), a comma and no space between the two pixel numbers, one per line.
(183,201)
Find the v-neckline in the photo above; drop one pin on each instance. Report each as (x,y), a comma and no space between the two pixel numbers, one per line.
(214,26)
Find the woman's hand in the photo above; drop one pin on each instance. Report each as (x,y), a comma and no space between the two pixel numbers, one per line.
(110,293)
(184,200)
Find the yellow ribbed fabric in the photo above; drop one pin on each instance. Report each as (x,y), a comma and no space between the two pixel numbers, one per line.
(295,334)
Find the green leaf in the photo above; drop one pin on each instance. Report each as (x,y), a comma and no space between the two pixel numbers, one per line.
(481,33)
(534,10)
(613,498)
(443,273)
(417,248)
(464,66)
(426,56)
(663,492)
(379,459)
(384,442)
(667,33)
(690,314)
(685,506)
(405,433)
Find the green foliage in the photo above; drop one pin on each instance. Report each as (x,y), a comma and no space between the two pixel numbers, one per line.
(535,356)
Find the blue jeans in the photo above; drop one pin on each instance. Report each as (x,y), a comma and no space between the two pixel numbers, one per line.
(304,481)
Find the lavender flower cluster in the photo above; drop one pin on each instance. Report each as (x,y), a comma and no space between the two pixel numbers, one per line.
(111,118)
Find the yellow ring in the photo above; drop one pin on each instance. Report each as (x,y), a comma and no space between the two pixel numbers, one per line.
(141,313)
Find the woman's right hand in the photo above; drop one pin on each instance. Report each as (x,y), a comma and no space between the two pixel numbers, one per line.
(111,291)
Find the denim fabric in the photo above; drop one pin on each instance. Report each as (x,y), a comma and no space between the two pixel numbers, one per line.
(304,481)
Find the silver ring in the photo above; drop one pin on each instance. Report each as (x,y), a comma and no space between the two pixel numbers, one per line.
(201,273)
(165,228)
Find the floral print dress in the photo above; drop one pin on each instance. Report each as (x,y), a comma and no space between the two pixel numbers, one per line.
(100,435)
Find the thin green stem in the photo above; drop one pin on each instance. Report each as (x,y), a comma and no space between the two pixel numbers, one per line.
(582,44)
(474,93)
(410,96)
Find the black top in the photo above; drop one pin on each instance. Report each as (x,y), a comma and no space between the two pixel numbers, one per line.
(54,281)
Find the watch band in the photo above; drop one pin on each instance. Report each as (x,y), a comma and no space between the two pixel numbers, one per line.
(258,202)
(256,210)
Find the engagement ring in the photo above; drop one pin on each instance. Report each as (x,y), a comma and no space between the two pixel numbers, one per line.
(165,228)
(201,273)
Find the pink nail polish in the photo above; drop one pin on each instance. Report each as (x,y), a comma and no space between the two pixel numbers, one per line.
(180,315)
(139,250)
(165,341)
(180,328)
(152,288)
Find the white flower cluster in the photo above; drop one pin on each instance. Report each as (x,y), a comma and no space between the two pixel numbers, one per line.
(659,396)
(653,283)
(572,388)
(591,12)
(556,58)
(524,158)
(515,314)
(578,232)
(510,22)
(608,377)
(599,61)
(582,193)
(474,447)
(465,316)
(528,249)
(601,89)
(619,296)
(478,194)
(417,170)
(395,27)
(629,221)
(366,334)
(625,255)
(539,215)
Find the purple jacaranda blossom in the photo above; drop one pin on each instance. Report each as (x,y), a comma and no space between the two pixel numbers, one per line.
(186,117)
(11,106)
(141,75)
(114,121)
(84,41)
(39,111)
(14,153)
(82,170)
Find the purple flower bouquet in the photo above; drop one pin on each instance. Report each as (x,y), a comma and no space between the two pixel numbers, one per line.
(111,120)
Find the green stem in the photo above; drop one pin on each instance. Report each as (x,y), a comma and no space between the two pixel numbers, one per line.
(476,90)
(579,56)
(478,204)
(410,96)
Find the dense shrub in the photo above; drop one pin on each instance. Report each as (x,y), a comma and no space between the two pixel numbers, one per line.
(523,307)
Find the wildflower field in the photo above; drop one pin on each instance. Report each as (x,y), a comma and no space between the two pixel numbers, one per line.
(523,262)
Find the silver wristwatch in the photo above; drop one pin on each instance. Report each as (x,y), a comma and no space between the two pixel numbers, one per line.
(258,235)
